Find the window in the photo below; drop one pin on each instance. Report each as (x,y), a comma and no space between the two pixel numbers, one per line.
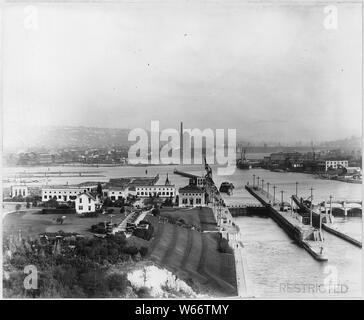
(45,197)
(184,201)
(198,201)
(80,207)
(89,200)
(89,208)
(80,200)
(59,197)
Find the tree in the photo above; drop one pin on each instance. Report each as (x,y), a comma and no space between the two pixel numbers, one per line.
(17,207)
(107,202)
(156,211)
(52,203)
(99,189)
(28,205)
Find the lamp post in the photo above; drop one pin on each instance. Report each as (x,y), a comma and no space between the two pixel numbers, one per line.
(330,207)
(268,188)
(282,197)
(274,194)
(258,182)
(253,180)
(296,189)
(262,184)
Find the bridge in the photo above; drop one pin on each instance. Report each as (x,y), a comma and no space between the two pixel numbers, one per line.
(314,216)
(344,205)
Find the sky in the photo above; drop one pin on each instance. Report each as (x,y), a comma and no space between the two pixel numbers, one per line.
(273,72)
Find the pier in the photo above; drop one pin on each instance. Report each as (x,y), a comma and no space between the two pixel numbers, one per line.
(325,220)
(229,231)
(185,174)
(305,235)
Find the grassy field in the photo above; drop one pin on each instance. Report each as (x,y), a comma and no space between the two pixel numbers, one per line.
(202,218)
(193,256)
(32,222)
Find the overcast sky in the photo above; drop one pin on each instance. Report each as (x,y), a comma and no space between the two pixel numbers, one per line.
(273,72)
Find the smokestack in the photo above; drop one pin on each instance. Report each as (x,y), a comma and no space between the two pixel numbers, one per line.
(181,143)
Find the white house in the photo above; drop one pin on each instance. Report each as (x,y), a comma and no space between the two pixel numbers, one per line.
(65,192)
(335,164)
(19,190)
(191,196)
(86,202)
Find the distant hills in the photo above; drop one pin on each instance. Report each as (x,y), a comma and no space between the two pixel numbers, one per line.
(52,137)
(65,137)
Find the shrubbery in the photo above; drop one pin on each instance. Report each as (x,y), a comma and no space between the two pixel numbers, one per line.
(145,234)
(77,270)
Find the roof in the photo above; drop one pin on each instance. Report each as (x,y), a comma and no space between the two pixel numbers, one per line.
(191,189)
(65,186)
(88,183)
(154,186)
(116,188)
(88,194)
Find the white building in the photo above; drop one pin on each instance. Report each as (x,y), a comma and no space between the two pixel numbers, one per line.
(65,192)
(19,190)
(191,196)
(86,202)
(335,164)
(116,193)
(162,191)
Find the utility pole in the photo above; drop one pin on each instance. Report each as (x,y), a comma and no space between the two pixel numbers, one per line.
(268,188)
(330,207)
(282,197)
(296,189)
(258,182)
(262,184)
(274,194)
(253,180)
(320,218)
(311,207)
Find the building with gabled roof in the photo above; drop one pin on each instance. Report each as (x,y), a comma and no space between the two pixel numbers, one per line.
(191,196)
(87,202)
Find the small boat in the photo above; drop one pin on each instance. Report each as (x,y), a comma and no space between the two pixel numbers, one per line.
(227,187)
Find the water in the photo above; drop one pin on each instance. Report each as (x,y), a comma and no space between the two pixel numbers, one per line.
(277,267)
